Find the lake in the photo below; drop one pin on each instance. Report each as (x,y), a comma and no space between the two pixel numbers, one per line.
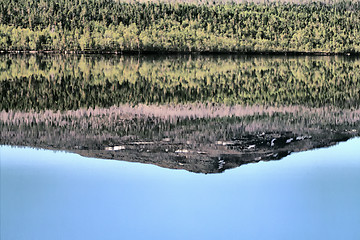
(56,195)
(179,146)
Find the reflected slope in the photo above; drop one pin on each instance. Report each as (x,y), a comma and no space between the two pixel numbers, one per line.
(199,113)
(199,138)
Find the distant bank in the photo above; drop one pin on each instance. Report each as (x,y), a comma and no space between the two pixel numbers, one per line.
(106,26)
(162,52)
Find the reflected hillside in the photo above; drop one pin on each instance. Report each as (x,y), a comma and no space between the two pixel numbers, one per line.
(199,113)
(56,82)
(199,138)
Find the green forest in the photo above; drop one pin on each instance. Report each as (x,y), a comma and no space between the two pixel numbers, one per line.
(116,27)
(67,82)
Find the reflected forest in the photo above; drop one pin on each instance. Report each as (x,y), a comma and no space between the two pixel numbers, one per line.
(201,113)
(71,82)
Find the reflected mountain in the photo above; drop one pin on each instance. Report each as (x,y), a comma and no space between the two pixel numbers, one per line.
(200,113)
(199,138)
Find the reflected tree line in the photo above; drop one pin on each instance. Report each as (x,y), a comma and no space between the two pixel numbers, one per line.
(56,82)
(198,124)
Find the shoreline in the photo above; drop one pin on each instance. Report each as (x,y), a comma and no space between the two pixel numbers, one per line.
(133,53)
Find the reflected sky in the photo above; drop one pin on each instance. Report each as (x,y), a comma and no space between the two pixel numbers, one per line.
(58,195)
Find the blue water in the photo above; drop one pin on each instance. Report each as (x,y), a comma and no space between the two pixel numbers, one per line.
(58,195)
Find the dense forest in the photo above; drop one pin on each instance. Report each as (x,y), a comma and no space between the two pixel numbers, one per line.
(66,82)
(115,26)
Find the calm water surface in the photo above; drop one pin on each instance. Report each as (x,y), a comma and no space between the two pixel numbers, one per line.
(203,114)
(58,195)
(200,113)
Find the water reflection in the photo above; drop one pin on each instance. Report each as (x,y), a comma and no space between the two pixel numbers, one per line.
(199,113)
(72,82)
(199,138)
(57,195)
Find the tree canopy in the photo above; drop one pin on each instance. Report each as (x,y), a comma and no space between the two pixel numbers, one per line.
(107,25)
